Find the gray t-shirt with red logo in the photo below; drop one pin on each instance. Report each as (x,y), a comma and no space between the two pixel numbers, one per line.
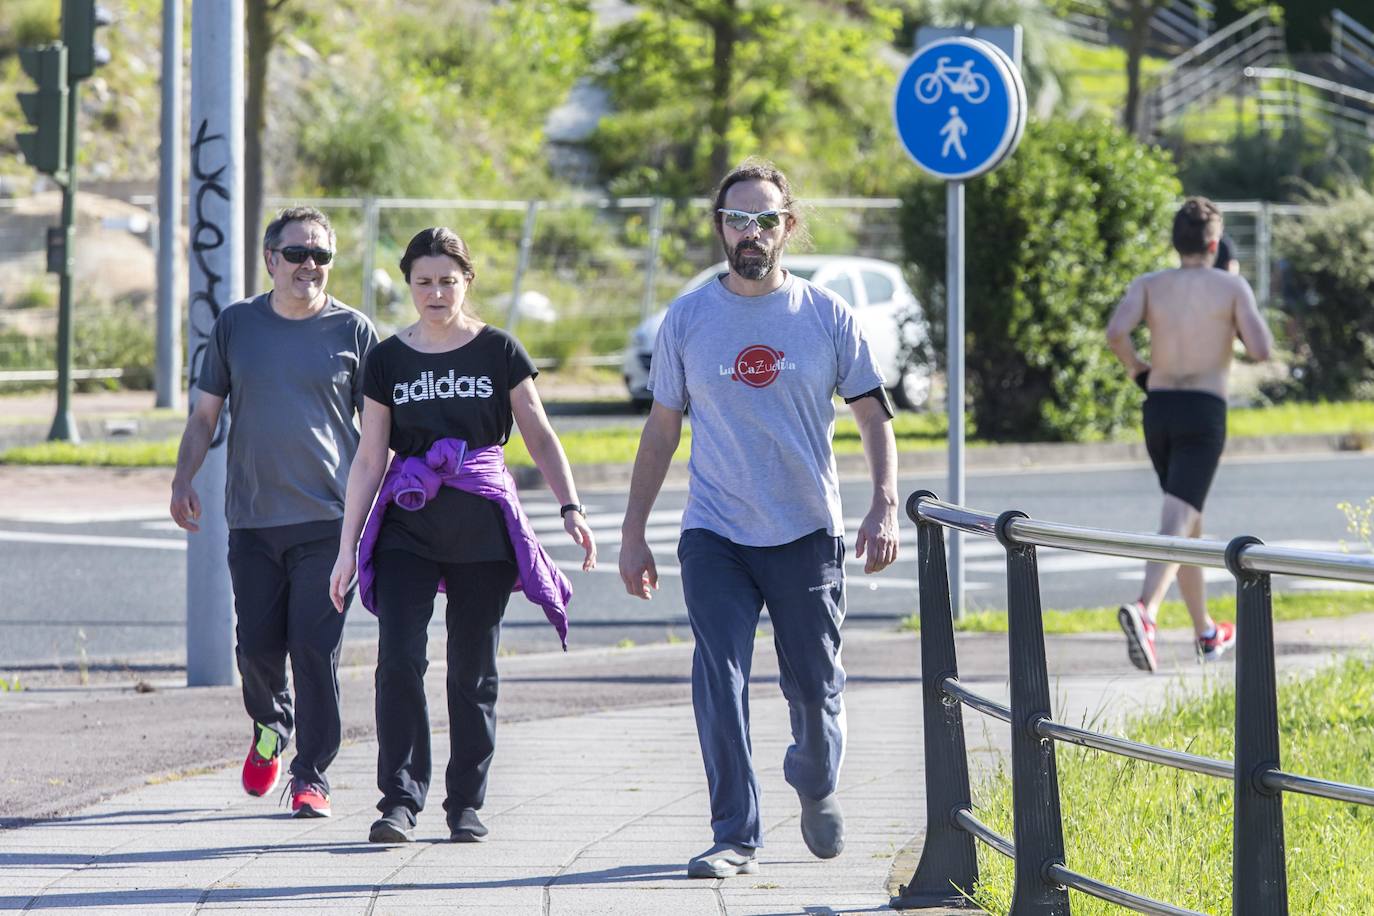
(758,375)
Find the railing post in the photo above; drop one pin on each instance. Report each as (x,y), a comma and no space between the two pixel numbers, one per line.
(1259,875)
(1263,265)
(1038,830)
(522,263)
(949,862)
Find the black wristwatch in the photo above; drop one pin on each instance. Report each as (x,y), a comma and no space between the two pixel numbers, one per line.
(572,507)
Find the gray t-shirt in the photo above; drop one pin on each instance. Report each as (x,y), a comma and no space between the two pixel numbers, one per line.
(758,375)
(293,387)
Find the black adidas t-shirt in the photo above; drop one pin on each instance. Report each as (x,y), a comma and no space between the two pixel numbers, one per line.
(459,394)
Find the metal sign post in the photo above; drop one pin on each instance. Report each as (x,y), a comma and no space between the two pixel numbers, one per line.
(960,109)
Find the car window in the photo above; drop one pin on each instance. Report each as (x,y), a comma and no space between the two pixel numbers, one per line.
(878,286)
(806,273)
(841,284)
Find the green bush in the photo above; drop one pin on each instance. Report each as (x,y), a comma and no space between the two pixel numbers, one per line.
(1328,288)
(1053,238)
(119,339)
(1277,166)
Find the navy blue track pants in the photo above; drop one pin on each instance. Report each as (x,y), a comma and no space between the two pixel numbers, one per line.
(726,586)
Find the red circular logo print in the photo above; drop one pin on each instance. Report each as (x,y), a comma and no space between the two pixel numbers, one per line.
(758,365)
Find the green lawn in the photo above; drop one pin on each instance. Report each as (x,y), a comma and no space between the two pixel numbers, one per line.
(1172,614)
(1167,834)
(615,445)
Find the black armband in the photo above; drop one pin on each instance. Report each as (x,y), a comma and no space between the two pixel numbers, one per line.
(881,394)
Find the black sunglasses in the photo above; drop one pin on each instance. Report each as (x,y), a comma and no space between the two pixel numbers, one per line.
(296,254)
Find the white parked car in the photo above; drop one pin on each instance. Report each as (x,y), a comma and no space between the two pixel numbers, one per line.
(875,289)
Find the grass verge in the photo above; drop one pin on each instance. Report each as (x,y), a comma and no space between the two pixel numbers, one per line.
(617,444)
(1172,614)
(1167,834)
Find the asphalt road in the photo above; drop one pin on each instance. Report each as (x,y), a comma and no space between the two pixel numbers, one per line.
(114,588)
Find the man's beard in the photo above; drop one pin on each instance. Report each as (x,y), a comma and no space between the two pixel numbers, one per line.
(753,268)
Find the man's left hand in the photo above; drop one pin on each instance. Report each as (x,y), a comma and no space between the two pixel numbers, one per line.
(878,537)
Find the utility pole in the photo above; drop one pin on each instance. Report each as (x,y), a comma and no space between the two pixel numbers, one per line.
(169,212)
(216,282)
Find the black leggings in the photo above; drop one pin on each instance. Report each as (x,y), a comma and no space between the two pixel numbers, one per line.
(477,597)
(1185,432)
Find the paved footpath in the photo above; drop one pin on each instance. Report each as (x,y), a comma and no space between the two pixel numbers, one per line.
(594,813)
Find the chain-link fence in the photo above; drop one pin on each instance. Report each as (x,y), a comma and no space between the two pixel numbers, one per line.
(571,278)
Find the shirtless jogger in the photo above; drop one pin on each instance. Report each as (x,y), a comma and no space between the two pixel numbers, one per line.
(1194,314)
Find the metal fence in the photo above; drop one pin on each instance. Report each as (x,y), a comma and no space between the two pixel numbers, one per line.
(571,277)
(948,868)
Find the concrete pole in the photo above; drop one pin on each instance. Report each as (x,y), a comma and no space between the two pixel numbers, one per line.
(954,294)
(169,212)
(216,274)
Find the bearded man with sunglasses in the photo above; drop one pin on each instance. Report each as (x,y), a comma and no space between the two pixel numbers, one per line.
(290,363)
(758,355)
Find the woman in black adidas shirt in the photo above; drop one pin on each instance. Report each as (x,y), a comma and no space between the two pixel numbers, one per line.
(447,376)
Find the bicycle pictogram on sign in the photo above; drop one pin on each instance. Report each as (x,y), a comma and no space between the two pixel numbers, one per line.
(960,80)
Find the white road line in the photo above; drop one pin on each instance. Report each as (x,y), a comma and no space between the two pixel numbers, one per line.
(85,516)
(92,540)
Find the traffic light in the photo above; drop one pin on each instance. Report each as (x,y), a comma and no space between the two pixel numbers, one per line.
(80,19)
(45,148)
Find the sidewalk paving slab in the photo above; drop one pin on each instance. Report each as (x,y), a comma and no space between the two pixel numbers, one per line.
(595,812)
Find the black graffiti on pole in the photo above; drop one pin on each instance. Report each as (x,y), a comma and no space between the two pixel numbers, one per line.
(207,236)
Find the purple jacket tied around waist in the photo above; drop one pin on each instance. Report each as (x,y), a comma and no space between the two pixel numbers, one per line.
(412,482)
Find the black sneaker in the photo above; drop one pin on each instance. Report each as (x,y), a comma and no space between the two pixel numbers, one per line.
(395,826)
(467,827)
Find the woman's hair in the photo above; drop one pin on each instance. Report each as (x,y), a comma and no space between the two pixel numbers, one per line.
(438,240)
(1196,225)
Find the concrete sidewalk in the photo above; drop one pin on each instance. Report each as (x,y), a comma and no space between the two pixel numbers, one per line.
(594,813)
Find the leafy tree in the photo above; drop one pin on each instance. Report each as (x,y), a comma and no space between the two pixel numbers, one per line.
(699,84)
(263,26)
(1133,18)
(456,101)
(1054,238)
(1328,285)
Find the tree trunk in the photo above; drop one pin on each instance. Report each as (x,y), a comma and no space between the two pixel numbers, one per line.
(1140,13)
(259,38)
(724,35)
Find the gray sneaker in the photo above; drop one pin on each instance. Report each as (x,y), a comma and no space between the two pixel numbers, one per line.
(822,826)
(723,860)
(395,826)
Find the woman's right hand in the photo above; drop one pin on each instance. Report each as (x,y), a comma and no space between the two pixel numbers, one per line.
(341,579)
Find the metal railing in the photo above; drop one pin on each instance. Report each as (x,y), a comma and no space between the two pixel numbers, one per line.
(1174,24)
(1287,96)
(948,868)
(1212,69)
(1352,44)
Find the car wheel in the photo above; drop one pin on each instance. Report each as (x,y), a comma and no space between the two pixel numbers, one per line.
(912,391)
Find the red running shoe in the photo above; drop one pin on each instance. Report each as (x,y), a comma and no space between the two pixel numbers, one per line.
(262,767)
(309,799)
(1140,636)
(1209,649)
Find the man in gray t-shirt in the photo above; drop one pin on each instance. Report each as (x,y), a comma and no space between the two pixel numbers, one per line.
(290,365)
(757,356)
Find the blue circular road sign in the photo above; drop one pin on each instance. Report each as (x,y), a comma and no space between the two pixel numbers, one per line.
(960,108)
